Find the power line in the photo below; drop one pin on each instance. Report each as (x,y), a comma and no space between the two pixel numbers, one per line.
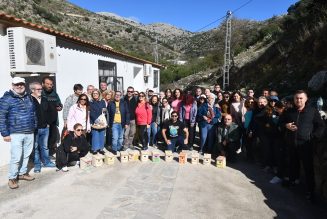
(223,17)
(233,11)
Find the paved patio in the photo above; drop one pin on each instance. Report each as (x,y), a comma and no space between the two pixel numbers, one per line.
(154,190)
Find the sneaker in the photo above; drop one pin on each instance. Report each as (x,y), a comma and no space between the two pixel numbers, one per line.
(64,169)
(26,177)
(37,170)
(50,165)
(12,183)
(275,180)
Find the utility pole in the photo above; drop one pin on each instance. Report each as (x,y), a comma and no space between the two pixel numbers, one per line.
(227,49)
(155,51)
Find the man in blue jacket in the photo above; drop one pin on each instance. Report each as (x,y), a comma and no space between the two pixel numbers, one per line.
(119,119)
(17,125)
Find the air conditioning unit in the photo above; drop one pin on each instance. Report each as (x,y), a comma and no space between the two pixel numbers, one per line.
(147,68)
(31,51)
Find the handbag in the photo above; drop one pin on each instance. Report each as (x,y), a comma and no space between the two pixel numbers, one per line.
(100,122)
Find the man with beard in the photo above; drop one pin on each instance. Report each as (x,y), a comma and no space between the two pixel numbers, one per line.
(17,125)
(52,106)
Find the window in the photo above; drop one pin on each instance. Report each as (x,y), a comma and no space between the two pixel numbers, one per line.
(108,74)
(155,78)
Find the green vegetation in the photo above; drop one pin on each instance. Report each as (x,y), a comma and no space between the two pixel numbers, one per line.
(298,52)
(44,13)
(175,72)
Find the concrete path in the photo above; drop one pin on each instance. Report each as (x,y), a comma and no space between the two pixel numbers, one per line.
(154,190)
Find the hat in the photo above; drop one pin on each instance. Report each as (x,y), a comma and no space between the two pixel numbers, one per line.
(273,98)
(203,96)
(18,80)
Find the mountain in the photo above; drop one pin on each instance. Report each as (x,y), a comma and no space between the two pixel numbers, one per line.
(126,34)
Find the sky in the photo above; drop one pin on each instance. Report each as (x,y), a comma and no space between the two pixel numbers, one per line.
(192,15)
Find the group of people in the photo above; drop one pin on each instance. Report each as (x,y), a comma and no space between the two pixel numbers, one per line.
(278,134)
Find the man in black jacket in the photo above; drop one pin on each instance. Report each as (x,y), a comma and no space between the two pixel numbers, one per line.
(304,125)
(131,129)
(52,106)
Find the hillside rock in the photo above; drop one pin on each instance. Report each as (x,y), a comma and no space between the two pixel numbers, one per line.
(318,81)
(251,54)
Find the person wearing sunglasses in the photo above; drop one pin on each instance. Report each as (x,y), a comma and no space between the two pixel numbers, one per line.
(119,120)
(17,126)
(130,131)
(73,147)
(79,113)
(143,115)
(173,132)
(41,135)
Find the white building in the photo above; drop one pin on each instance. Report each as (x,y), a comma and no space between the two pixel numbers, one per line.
(33,51)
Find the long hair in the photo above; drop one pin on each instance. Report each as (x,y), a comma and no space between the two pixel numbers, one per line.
(139,101)
(87,102)
(181,93)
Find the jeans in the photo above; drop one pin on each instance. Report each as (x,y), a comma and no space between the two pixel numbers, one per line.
(207,133)
(129,134)
(21,149)
(174,141)
(98,139)
(41,150)
(153,129)
(117,136)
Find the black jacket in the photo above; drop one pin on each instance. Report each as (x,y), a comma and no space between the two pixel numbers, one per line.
(309,124)
(40,114)
(132,104)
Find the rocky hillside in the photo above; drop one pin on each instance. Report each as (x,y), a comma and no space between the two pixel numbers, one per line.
(127,35)
(296,54)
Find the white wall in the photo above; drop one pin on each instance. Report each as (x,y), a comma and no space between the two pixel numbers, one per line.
(74,66)
(5,85)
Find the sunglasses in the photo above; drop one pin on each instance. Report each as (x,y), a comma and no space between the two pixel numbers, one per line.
(83,99)
(79,130)
(226,96)
(130,91)
(174,116)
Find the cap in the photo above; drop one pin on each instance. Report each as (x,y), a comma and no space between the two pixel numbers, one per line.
(274,98)
(18,80)
(203,96)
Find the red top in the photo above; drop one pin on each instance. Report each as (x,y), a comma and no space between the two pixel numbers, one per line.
(143,114)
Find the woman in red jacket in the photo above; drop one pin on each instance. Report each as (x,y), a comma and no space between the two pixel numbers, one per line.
(143,116)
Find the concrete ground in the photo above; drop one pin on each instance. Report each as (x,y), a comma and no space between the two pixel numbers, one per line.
(155,190)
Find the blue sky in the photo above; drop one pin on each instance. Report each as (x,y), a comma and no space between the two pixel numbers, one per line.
(191,15)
